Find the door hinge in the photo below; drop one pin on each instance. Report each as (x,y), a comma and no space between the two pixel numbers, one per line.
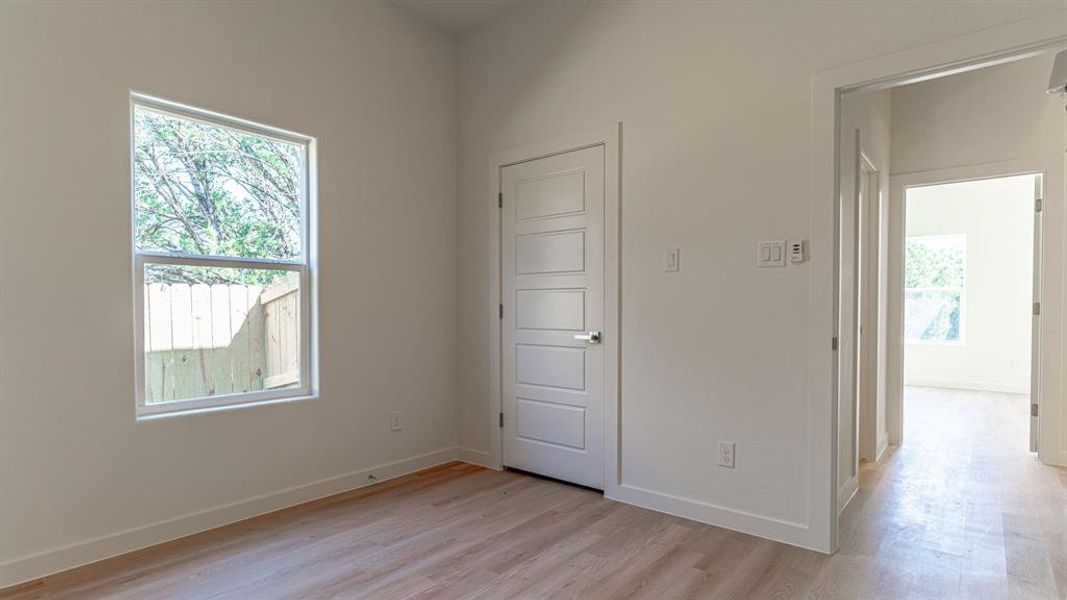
(501,416)
(1034,410)
(500,200)
(1037,308)
(833,343)
(501,311)
(1037,204)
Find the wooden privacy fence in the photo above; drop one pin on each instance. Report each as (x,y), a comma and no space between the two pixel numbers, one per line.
(205,340)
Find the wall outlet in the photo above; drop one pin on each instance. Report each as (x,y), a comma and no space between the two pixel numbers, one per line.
(726,454)
(670,260)
(394,422)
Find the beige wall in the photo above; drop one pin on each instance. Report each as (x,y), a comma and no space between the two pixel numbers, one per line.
(378,90)
(716,104)
(985,116)
(715,100)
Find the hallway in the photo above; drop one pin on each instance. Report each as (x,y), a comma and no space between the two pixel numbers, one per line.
(962,503)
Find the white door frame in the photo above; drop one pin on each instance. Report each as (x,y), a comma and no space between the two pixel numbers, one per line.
(898,211)
(963,53)
(871,306)
(609,137)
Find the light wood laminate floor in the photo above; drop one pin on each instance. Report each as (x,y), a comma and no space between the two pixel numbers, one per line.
(961,510)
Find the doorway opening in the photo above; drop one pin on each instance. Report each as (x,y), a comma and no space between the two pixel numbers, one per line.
(970,299)
(950,272)
(943,183)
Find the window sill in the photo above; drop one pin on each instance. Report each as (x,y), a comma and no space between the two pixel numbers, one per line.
(179,411)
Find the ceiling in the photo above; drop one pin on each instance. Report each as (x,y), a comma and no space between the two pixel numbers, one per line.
(458,16)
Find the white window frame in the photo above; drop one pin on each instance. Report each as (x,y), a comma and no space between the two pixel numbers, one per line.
(962,341)
(304,266)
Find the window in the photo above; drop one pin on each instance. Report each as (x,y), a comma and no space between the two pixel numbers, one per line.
(222,260)
(934,281)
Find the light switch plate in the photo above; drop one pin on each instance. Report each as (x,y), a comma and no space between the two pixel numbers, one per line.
(771,254)
(670,260)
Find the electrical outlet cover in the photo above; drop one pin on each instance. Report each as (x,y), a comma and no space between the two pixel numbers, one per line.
(726,454)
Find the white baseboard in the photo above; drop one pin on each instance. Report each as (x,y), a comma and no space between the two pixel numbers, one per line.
(475,457)
(42,564)
(39,565)
(1063,459)
(881,446)
(977,386)
(796,534)
(847,493)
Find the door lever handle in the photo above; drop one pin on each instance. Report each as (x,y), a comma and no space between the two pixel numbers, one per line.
(592,337)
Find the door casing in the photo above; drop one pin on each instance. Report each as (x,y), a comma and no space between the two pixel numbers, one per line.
(871,307)
(609,137)
(1007,43)
(899,185)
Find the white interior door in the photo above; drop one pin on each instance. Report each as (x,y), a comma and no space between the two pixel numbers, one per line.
(552,291)
(1035,328)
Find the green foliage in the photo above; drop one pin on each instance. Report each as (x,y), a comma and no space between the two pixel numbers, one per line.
(939,263)
(933,315)
(157,273)
(210,190)
(934,263)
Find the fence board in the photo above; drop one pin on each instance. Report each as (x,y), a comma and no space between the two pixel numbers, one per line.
(205,340)
(282,333)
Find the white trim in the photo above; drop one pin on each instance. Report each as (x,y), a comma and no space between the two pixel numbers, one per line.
(211,408)
(41,564)
(872,305)
(306,266)
(881,447)
(847,492)
(474,457)
(771,528)
(976,386)
(210,260)
(962,53)
(610,138)
(197,405)
(210,117)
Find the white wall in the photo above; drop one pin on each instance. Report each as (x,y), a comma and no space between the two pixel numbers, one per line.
(990,122)
(997,218)
(715,100)
(79,477)
(985,116)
